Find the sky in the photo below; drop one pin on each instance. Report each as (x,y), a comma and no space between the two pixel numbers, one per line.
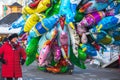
(12,1)
(1,9)
(8,2)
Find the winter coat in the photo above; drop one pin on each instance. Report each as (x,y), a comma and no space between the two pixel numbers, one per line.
(12,67)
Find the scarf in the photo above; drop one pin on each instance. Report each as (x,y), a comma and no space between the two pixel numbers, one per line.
(14,45)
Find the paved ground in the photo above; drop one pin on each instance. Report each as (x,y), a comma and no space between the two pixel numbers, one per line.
(91,73)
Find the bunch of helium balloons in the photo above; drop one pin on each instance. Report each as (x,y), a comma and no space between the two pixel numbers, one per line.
(63,33)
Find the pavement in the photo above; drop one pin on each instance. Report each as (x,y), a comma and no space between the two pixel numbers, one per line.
(91,73)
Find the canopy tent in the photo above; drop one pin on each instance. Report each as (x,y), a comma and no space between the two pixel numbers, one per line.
(5,30)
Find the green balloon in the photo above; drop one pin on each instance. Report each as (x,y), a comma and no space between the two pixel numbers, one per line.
(81,55)
(54,9)
(41,68)
(63,69)
(53,63)
(31,50)
(79,16)
(32,46)
(76,61)
(29,60)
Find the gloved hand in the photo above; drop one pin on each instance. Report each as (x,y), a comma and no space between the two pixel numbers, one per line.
(22,62)
(2,60)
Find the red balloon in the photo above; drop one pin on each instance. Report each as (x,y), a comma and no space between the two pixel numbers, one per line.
(62,22)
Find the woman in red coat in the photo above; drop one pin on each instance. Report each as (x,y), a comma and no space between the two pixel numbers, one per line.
(13,56)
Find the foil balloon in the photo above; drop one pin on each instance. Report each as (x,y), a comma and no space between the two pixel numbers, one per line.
(47,36)
(64,44)
(45,45)
(112,5)
(52,33)
(45,25)
(41,68)
(65,10)
(101,58)
(114,11)
(78,16)
(80,29)
(63,41)
(62,21)
(84,39)
(91,19)
(29,60)
(80,13)
(23,37)
(75,60)
(89,49)
(106,23)
(62,33)
(54,8)
(32,46)
(34,4)
(44,53)
(97,46)
(103,38)
(84,1)
(75,40)
(116,36)
(31,51)
(84,7)
(118,1)
(103,1)
(32,20)
(56,51)
(82,55)
(42,40)
(53,69)
(74,4)
(60,67)
(93,42)
(96,5)
(19,23)
(42,6)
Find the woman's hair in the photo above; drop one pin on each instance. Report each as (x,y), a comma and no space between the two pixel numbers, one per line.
(13,36)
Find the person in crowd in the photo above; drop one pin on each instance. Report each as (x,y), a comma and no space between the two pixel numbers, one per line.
(0,41)
(4,40)
(12,56)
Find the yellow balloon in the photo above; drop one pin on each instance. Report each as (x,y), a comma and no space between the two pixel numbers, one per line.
(42,6)
(28,10)
(32,20)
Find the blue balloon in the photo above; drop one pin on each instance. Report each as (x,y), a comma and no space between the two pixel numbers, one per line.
(106,24)
(40,28)
(19,23)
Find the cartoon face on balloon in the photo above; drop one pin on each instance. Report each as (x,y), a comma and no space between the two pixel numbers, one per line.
(64,38)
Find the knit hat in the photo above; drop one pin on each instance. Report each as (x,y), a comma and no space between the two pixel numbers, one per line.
(12,36)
